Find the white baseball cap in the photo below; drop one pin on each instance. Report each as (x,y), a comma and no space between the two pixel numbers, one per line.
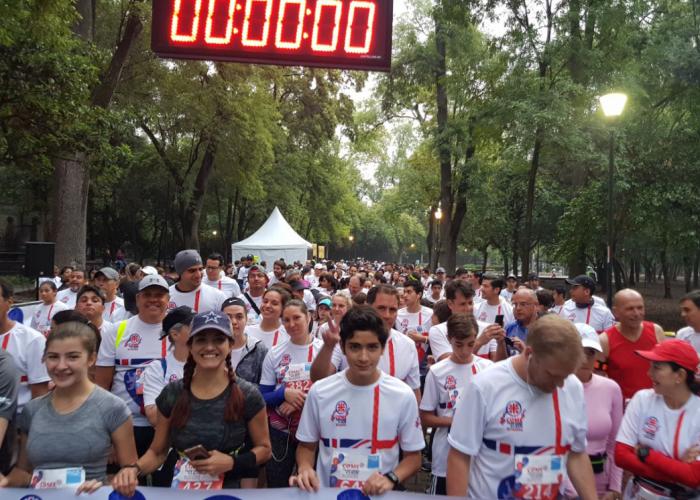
(589,337)
(149,270)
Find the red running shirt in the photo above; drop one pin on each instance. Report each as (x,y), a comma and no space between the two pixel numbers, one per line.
(624,366)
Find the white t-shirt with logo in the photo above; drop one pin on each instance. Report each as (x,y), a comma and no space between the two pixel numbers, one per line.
(226,285)
(649,422)
(280,358)
(41,319)
(139,345)
(202,299)
(115,311)
(159,374)
(499,410)
(68,297)
(597,315)
(440,344)
(26,346)
(420,321)
(400,359)
(689,335)
(339,417)
(487,313)
(443,384)
(253,317)
(270,339)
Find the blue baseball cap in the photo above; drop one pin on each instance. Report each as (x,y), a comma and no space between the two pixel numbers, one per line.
(211,320)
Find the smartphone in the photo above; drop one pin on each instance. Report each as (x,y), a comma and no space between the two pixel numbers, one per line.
(508,341)
(198,452)
(499,320)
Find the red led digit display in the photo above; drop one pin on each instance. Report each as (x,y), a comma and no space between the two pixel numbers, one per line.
(349,34)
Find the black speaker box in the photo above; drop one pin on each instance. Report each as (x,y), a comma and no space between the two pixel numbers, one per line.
(38,259)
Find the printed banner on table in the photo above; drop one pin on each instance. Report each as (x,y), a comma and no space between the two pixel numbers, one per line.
(171,494)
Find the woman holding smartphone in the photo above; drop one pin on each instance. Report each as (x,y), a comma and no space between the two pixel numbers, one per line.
(208,417)
(68,434)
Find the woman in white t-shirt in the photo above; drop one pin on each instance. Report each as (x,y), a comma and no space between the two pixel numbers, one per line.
(41,319)
(659,439)
(285,382)
(270,329)
(159,373)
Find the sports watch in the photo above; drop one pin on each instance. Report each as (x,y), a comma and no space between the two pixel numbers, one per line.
(642,453)
(393,478)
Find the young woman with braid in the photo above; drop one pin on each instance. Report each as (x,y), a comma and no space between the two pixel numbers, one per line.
(213,419)
(285,381)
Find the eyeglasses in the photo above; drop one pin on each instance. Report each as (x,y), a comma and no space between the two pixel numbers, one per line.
(522,304)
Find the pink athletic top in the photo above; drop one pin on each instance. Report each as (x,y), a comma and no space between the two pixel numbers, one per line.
(604,412)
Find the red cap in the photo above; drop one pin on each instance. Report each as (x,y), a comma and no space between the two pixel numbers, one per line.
(673,350)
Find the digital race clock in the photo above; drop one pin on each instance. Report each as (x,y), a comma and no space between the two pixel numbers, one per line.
(349,34)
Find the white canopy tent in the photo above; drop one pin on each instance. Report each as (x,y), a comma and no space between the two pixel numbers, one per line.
(274,240)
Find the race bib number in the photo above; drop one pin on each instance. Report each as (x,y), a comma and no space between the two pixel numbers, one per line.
(186,477)
(352,469)
(539,476)
(43,479)
(298,376)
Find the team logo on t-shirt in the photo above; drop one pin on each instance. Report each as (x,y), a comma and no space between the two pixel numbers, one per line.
(651,426)
(572,316)
(133,341)
(286,360)
(450,383)
(404,324)
(513,416)
(340,414)
(482,316)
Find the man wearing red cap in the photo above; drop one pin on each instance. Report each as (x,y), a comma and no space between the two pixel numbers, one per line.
(658,438)
(631,333)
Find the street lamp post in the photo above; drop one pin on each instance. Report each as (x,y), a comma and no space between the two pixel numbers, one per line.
(613,105)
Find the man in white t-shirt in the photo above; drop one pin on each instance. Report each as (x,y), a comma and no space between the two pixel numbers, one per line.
(91,304)
(511,288)
(475,279)
(520,427)
(400,358)
(583,306)
(360,420)
(128,347)
(242,273)
(445,381)
(434,292)
(460,299)
(257,284)
(493,304)
(26,346)
(107,280)
(189,290)
(690,312)
(277,274)
(415,320)
(70,294)
(216,278)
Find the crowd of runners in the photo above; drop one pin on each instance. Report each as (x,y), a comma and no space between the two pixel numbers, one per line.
(354,374)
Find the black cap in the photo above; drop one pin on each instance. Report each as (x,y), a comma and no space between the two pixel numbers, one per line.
(532,276)
(182,315)
(583,280)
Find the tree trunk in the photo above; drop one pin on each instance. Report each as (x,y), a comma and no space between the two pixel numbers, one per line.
(194,211)
(504,255)
(429,239)
(442,142)
(687,274)
(71,173)
(666,272)
(70,213)
(530,202)
(696,265)
(632,281)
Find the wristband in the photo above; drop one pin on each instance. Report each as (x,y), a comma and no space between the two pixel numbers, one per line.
(245,463)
